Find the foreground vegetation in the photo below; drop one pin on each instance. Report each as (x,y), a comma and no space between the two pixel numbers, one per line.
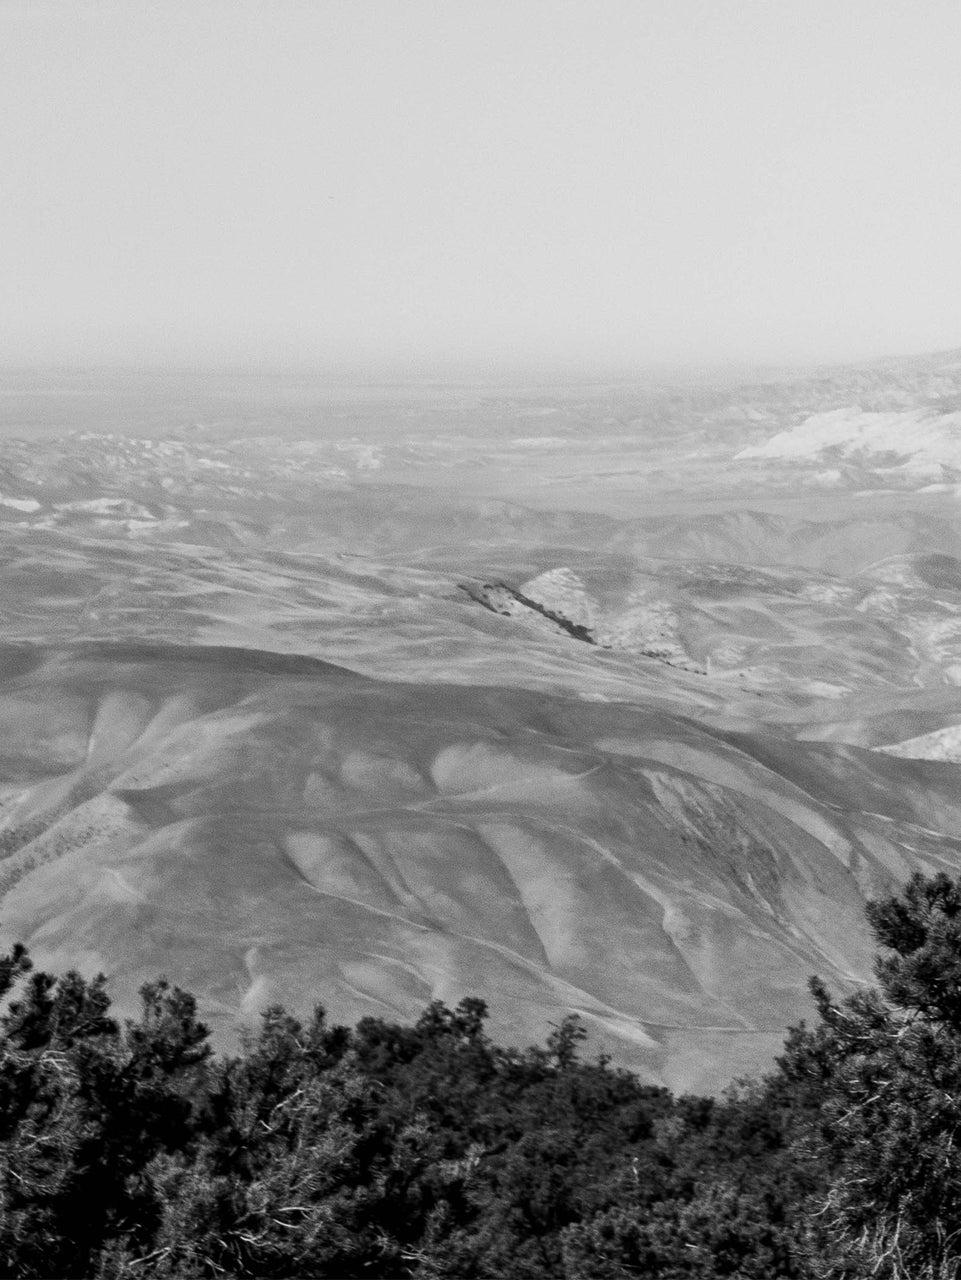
(129,1150)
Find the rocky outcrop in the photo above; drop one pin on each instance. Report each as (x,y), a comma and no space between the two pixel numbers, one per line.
(513,603)
(646,628)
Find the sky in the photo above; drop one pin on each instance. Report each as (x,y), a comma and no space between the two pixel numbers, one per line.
(445,183)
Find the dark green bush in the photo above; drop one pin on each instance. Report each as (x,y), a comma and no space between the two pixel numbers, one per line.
(128,1150)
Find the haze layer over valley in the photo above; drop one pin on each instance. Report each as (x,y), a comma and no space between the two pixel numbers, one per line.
(611,697)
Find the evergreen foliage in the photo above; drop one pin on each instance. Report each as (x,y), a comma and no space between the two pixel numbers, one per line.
(127,1149)
(887,1064)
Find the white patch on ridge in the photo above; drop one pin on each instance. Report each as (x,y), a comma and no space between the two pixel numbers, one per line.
(20,504)
(926,440)
(943,744)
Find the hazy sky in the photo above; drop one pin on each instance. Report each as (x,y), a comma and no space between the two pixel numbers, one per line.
(592,181)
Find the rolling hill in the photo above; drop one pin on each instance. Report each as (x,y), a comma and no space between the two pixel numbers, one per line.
(613,699)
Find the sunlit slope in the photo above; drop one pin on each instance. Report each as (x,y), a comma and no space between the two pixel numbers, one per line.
(278,828)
